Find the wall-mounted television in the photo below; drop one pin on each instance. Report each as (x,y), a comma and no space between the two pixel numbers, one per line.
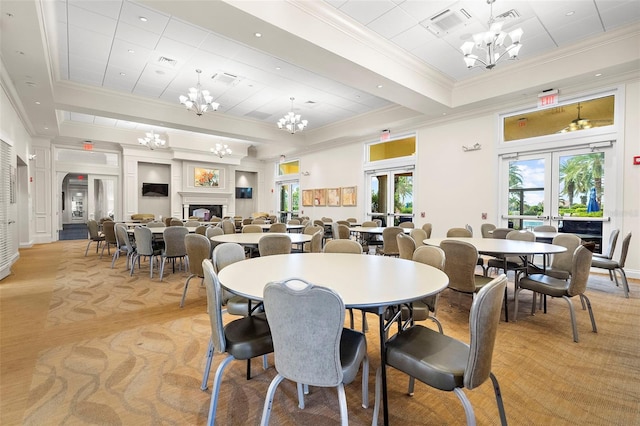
(155,189)
(244,192)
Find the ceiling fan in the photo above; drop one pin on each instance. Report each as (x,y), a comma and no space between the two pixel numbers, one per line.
(578,124)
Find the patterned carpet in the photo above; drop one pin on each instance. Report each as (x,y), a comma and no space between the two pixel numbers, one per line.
(118,350)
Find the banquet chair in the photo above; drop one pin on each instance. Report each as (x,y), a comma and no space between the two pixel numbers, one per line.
(252,229)
(407,225)
(340,231)
(466,232)
(422,309)
(501,233)
(271,244)
(427,227)
(201,229)
(389,241)
(94,235)
(545,228)
(144,248)
(174,247)
(406,246)
(215,219)
(259,221)
(211,232)
(513,263)
(278,227)
(154,224)
(293,222)
(611,248)
(461,259)
(561,263)
(198,249)
(315,349)
(224,254)
(272,219)
(369,239)
(108,229)
(344,246)
(614,266)
(558,287)
(243,338)
(486,230)
(247,221)
(175,222)
(352,220)
(123,245)
(448,364)
(228,226)
(315,245)
(192,223)
(344,222)
(418,236)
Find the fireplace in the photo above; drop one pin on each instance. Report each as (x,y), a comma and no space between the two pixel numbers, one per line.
(205,211)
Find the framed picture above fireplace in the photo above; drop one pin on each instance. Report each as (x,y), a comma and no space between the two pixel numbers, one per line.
(203,177)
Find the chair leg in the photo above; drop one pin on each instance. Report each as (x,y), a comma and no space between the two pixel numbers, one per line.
(342,398)
(572,313)
(351,317)
(625,283)
(116,255)
(299,386)
(593,319)
(164,259)
(207,367)
(412,384)
(365,382)
(376,402)
(217,379)
(87,249)
(515,303)
(468,409)
(184,292)
(437,321)
(268,402)
(496,389)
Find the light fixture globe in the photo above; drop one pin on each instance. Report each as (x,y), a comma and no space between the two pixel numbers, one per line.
(198,100)
(221,150)
(152,140)
(292,122)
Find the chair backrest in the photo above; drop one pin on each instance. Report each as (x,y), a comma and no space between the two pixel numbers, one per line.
(501,233)
(406,225)
(155,224)
(272,218)
(192,223)
(122,238)
(427,227)
(418,236)
(144,240)
(198,249)
(109,232)
(389,240)
(92,228)
(486,228)
(228,227)
(326,219)
(369,224)
(545,228)
(406,246)
(469,228)
(305,222)
(312,229)
(352,220)
(215,219)
(459,232)
(278,227)
(167,220)
(483,327)
(247,221)
(259,221)
(344,222)
(564,261)
(340,231)
(519,236)
(214,306)
(174,241)
(293,222)
(201,229)
(213,230)
(315,245)
(580,267)
(225,254)
(460,265)
(342,246)
(176,222)
(307,349)
(625,249)
(611,248)
(252,229)
(318,223)
(271,244)
(430,255)
(378,222)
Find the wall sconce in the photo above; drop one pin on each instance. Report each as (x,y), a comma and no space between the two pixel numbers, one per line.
(32,157)
(474,147)
(305,173)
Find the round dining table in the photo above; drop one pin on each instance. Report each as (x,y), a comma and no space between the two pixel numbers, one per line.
(251,239)
(371,282)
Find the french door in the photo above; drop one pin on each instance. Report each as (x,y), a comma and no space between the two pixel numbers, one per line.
(289,200)
(391,198)
(101,198)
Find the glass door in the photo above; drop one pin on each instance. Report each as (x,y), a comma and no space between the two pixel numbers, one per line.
(391,198)
(289,203)
(101,199)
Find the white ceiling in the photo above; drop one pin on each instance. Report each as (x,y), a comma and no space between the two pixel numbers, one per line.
(98,66)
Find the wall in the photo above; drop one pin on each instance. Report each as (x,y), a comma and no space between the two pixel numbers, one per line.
(245,207)
(154,173)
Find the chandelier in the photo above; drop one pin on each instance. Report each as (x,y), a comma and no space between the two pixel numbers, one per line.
(152,140)
(199,100)
(491,44)
(221,150)
(578,124)
(292,122)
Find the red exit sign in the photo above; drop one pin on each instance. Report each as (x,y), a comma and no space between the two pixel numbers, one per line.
(547,98)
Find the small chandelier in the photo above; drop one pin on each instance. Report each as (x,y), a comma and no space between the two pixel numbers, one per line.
(221,150)
(199,100)
(152,140)
(292,122)
(491,44)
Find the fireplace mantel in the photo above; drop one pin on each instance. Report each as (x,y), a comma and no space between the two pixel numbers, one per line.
(211,198)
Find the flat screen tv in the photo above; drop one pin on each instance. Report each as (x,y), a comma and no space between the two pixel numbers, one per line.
(244,192)
(155,189)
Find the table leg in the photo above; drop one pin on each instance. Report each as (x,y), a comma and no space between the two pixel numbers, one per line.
(383,367)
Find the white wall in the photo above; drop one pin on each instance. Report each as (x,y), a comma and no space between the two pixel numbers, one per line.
(154,173)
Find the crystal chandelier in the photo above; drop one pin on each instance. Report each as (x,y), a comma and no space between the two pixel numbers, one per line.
(292,122)
(152,140)
(491,44)
(199,100)
(221,150)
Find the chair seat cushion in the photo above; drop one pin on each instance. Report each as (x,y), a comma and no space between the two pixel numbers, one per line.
(248,337)
(420,311)
(540,283)
(558,273)
(599,262)
(353,348)
(431,357)
(238,305)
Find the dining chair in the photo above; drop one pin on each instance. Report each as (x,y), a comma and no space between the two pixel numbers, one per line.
(344,222)
(192,223)
(229,227)
(612,266)
(545,228)
(293,222)
(344,246)
(352,220)
(558,287)
(198,249)
(154,224)
(241,339)
(486,230)
(108,229)
(95,236)
(315,245)
(123,245)
(176,222)
(340,231)
(272,219)
(215,219)
(427,227)
(272,244)
(247,221)
(368,239)
(407,225)
(145,248)
(389,241)
(446,363)
(278,227)
(561,263)
(426,308)
(611,248)
(201,229)
(406,246)
(315,349)
(253,228)
(418,236)
(174,247)
(501,233)
(513,263)
(466,232)
(225,254)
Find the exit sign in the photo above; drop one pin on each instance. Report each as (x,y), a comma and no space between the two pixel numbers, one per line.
(547,98)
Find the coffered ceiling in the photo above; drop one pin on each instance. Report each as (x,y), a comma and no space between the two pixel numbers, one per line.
(109,70)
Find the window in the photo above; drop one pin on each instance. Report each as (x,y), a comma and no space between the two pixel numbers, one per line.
(392,149)
(289,168)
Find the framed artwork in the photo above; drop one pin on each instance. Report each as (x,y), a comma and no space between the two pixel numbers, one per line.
(307,197)
(206,178)
(348,196)
(320,197)
(333,197)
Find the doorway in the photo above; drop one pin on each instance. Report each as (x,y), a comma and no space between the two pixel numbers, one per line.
(391,198)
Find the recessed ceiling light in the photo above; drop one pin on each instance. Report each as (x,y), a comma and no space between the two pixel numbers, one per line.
(278,68)
(258,35)
(37,103)
(599,74)
(379,86)
(123,74)
(571,12)
(143,19)
(131,51)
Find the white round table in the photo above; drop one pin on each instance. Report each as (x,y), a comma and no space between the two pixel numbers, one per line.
(501,247)
(252,238)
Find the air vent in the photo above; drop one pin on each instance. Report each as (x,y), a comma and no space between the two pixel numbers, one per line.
(257,114)
(446,21)
(163,60)
(310,102)
(225,78)
(511,14)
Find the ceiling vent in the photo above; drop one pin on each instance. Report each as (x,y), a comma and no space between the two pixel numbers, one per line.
(163,60)
(225,78)
(446,21)
(508,15)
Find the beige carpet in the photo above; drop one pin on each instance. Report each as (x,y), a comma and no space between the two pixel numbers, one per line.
(114,349)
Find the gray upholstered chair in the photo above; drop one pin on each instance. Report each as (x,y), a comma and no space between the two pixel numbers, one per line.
(213,231)
(561,263)
(448,364)
(247,221)
(418,236)
(340,231)
(198,249)
(109,231)
(389,241)
(271,244)
(612,266)
(459,233)
(228,226)
(192,223)
(315,349)
(426,308)
(315,245)
(201,229)
(513,263)
(225,254)
(545,228)
(175,222)
(278,227)
(406,246)
(427,227)
(293,222)
(344,222)
(611,248)
(144,248)
(123,245)
(95,236)
(155,224)
(407,225)
(486,229)
(243,338)
(343,246)
(557,287)
(259,221)
(461,259)
(174,247)
(252,229)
